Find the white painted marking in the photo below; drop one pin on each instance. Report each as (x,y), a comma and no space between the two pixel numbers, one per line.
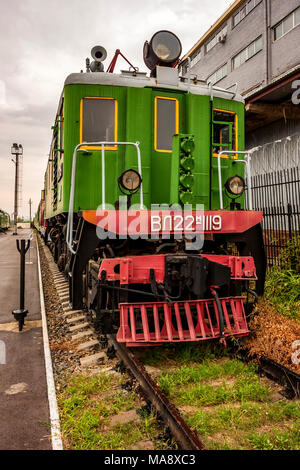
(54,416)
(14,327)
(2,353)
(17,388)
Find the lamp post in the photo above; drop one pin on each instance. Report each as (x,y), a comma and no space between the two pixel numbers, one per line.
(17,151)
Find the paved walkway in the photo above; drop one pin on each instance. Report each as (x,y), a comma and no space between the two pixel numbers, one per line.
(24,408)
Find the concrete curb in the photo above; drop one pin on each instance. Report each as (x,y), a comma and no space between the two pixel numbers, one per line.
(54,416)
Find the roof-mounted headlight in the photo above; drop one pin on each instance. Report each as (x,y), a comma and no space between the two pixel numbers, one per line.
(235,185)
(130,181)
(164,48)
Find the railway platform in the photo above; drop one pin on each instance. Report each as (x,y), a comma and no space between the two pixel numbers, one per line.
(24,405)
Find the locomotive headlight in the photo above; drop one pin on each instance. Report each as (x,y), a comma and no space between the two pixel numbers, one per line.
(164,48)
(130,180)
(235,185)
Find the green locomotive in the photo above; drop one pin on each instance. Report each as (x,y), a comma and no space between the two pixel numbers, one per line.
(158,143)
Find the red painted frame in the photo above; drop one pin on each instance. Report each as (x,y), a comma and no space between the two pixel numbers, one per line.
(120,222)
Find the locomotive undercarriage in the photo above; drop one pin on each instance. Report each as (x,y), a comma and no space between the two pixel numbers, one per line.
(183,296)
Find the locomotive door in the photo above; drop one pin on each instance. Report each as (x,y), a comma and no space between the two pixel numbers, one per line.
(224,136)
(166,123)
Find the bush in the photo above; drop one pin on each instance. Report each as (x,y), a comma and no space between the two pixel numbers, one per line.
(282,287)
(289,258)
(283,290)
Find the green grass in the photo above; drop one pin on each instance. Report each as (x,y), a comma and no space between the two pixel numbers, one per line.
(237,406)
(242,417)
(205,371)
(238,414)
(121,437)
(86,407)
(287,439)
(207,395)
(183,354)
(185,384)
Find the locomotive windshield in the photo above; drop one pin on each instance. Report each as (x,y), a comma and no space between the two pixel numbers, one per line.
(98,120)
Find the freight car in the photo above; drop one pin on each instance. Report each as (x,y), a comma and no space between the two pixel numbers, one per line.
(4,221)
(39,218)
(143,205)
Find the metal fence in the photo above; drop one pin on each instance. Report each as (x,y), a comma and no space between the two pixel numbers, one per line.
(276,190)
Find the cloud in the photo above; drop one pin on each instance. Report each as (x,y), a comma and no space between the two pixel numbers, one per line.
(44,41)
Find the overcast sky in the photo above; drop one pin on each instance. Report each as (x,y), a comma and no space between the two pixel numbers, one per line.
(43,41)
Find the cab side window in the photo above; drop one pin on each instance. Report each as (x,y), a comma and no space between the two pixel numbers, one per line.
(224,132)
(166,123)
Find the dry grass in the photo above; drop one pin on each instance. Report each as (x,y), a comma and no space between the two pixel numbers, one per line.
(274,335)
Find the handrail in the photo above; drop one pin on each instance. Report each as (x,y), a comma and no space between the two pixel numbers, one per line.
(235,91)
(248,169)
(69,236)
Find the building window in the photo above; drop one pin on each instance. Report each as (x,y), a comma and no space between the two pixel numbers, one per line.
(216,39)
(195,58)
(224,133)
(165,123)
(243,12)
(98,122)
(247,53)
(218,75)
(287,24)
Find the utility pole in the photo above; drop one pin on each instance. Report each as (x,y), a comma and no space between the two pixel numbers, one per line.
(17,151)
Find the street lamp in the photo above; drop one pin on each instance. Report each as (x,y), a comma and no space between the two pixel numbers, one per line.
(17,151)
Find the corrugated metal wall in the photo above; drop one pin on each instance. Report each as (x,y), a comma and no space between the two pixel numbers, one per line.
(275,171)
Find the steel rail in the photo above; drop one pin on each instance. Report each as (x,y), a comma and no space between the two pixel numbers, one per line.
(185,437)
(273,370)
(282,374)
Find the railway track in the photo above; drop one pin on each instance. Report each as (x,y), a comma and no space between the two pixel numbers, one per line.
(82,333)
(81,329)
(185,437)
